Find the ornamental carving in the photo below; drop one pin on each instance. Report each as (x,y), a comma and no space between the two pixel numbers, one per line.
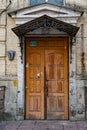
(45,22)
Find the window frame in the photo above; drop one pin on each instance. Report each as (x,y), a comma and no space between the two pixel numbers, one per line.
(46,1)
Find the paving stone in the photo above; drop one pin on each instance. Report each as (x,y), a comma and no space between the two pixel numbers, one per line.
(28,122)
(2,124)
(82,128)
(81,124)
(69,127)
(39,128)
(55,129)
(9,128)
(43,125)
(11,125)
(25,127)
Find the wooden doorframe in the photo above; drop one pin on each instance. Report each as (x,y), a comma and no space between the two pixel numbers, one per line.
(45,39)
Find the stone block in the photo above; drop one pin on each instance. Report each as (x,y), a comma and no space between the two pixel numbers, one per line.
(3,19)
(2,50)
(2,67)
(85,30)
(11,67)
(2,34)
(2,4)
(69,127)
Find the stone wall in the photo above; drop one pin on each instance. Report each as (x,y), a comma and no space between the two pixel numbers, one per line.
(8,69)
(78,108)
(10,100)
(81,66)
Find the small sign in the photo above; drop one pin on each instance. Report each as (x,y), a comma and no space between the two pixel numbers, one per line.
(33,43)
(15,83)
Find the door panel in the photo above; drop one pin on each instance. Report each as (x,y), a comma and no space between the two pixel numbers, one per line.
(47,79)
(35,84)
(57,78)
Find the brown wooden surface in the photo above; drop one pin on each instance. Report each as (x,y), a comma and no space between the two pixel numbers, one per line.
(34,85)
(56,73)
(47,96)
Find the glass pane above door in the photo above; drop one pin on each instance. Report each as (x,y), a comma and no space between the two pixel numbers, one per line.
(55,2)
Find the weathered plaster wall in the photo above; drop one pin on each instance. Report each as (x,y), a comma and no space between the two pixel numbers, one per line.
(77,3)
(8,69)
(10,102)
(81,61)
(72,83)
(21,89)
(11,44)
(2,43)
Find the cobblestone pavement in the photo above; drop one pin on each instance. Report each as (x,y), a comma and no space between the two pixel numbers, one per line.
(43,125)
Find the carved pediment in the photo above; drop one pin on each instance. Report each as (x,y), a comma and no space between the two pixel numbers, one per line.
(45,23)
(46,31)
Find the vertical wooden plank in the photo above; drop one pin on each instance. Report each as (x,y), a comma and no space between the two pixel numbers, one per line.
(57,77)
(35,84)
(66,77)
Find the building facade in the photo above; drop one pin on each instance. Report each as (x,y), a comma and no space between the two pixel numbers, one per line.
(43,64)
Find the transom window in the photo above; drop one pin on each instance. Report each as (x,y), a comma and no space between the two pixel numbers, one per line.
(56,2)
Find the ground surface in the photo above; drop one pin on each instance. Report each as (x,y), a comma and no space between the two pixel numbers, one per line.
(43,125)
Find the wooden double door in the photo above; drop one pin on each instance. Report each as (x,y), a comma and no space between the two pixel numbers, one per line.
(47,79)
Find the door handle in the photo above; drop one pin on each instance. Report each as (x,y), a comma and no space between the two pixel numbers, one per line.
(38,75)
(46,87)
(45,82)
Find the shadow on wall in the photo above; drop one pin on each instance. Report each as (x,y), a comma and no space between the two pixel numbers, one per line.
(3,115)
(6,116)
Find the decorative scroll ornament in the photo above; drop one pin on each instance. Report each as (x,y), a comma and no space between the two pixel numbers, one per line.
(46,22)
